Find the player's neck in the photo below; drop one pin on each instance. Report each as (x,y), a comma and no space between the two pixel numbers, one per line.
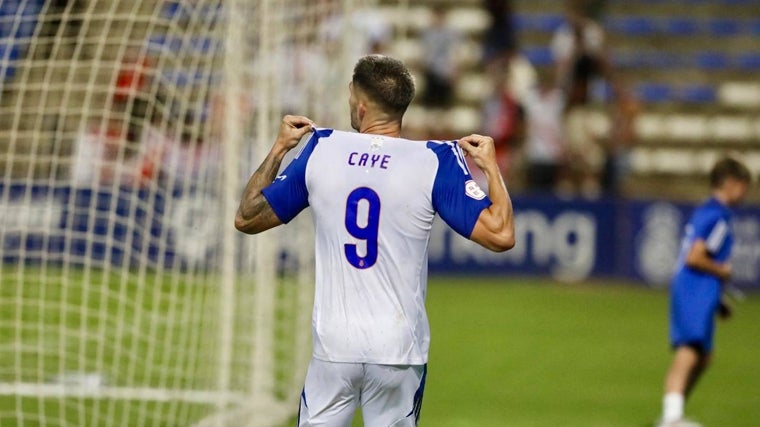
(721,197)
(385,128)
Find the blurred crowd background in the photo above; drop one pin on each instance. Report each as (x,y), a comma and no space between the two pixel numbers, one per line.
(591,98)
(584,98)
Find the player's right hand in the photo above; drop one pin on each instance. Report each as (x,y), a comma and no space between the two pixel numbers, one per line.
(292,129)
(726,271)
(725,311)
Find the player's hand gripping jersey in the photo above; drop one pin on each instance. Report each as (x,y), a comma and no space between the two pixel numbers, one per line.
(373,200)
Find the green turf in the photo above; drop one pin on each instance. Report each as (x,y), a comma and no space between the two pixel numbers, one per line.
(505,352)
(524,353)
(157,331)
(527,353)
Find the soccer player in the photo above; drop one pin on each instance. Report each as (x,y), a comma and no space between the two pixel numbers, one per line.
(373,197)
(702,269)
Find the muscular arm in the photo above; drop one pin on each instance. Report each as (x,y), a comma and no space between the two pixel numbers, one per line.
(495,228)
(699,258)
(254,214)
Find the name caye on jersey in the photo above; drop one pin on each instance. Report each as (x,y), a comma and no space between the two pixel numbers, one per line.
(373,202)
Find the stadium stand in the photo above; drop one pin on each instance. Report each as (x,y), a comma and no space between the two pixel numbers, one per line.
(690,62)
(18,19)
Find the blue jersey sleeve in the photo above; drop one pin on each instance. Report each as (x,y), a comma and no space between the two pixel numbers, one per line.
(710,227)
(288,194)
(456,197)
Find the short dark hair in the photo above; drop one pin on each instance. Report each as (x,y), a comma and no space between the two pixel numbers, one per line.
(728,167)
(386,81)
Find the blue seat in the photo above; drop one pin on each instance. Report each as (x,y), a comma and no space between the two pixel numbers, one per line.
(754,27)
(697,94)
(9,54)
(9,7)
(179,44)
(6,26)
(161,42)
(652,93)
(711,61)
(662,59)
(176,10)
(548,23)
(749,61)
(723,27)
(539,56)
(631,25)
(170,9)
(681,26)
(628,59)
(205,44)
(542,22)
(18,19)
(181,77)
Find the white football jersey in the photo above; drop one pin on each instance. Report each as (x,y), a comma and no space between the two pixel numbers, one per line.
(373,200)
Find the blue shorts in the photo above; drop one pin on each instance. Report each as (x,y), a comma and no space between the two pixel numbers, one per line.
(692,313)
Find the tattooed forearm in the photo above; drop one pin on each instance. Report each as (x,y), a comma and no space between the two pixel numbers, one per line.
(261,212)
(254,213)
(263,176)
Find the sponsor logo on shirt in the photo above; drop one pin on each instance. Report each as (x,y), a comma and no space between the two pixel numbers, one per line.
(472,189)
(280,177)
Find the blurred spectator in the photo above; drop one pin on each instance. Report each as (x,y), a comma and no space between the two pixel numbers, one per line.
(585,154)
(502,116)
(187,160)
(440,67)
(593,9)
(104,155)
(299,67)
(544,150)
(63,22)
(618,148)
(131,91)
(579,53)
(133,74)
(369,31)
(176,156)
(154,141)
(581,58)
(522,75)
(499,39)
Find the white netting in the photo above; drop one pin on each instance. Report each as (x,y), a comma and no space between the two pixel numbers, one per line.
(127,131)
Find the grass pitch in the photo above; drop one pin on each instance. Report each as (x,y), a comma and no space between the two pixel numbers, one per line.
(505,352)
(530,353)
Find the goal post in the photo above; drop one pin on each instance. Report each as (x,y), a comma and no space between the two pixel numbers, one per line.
(128,129)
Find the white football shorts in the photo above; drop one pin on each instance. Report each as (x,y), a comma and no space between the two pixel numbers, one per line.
(389,395)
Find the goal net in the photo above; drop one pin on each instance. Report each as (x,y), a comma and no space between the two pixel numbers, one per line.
(128,129)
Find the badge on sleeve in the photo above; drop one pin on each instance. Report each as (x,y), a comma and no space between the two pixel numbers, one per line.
(473,190)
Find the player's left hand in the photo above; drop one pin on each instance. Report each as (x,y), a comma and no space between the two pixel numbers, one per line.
(480,148)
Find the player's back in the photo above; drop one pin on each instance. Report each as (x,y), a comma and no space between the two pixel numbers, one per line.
(368,188)
(374,199)
(371,198)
